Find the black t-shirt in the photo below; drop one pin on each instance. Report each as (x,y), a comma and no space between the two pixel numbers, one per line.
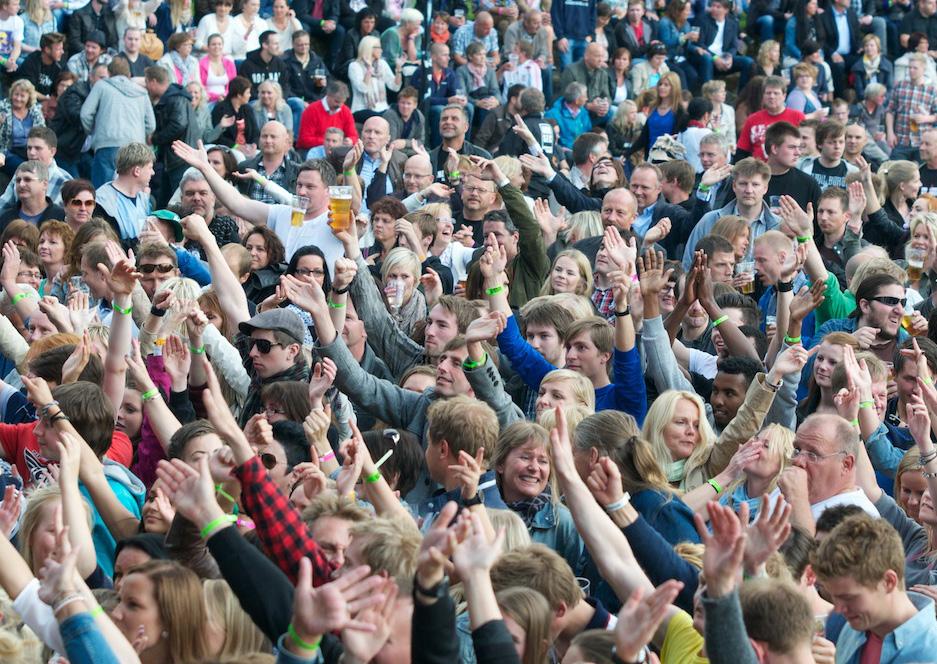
(830,177)
(928,180)
(139,67)
(796,184)
(41,75)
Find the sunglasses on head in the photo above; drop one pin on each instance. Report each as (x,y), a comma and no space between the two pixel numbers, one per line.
(262,345)
(890,301)
(268,460)
(162,268)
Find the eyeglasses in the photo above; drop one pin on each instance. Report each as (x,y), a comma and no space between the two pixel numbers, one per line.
(813,457)
(271,410)
(890,301)
(268,460)
(477,190)
(304,272)
(77,202)
(162,268)
(28,274)
(262,345)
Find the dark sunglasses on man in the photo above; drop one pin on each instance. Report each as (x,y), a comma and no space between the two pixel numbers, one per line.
(263,345)
(162,268)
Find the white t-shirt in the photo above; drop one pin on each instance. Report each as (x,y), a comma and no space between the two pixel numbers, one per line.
(313,231)
(854,497)
(11,31)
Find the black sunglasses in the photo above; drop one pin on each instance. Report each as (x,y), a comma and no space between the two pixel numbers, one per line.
(263,345)
(890,301)
(162,268)
(268,460)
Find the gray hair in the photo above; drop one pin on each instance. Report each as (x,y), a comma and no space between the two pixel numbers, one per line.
(410,15)
(873,90)
(37,168)
(573,92)
(191,175)
(718,140)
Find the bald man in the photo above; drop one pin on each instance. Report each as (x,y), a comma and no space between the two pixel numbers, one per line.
(375,136)
(480,30)
(270,162)
(619,209)
(592,72)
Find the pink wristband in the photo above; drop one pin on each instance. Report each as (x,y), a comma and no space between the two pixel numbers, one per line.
(327,457)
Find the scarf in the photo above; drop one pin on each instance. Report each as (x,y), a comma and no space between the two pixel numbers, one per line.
(871,65)
(252,405)
(181,69)
(478,74)
(676,471)
(740,495)
(412,312)
(527,508)
(696,123)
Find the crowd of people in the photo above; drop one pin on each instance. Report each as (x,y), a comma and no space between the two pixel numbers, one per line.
(340,331)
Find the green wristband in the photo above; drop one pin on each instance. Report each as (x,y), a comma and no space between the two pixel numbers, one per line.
(719,321)
(18,297)
(149,394)
(866,404)
(468,364)
(373,477)
(790,341)
(804,239)
(311,647)
(214,525)
(715,485)
(336,305)
(121,310)
(198,351)
(495,290)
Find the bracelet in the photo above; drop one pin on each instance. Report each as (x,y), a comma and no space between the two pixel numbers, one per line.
(804,239)
(468,364)
(619,504)
(327,457)
(44,410)
(200,350)
(121,310)
(159,342)
(58,416)
(719,321)
(866,404)
(311,647)
(704,188)
(262,181)
(65,601)
(341,291)
(928,476)
(623,314)
(373,477)
(455,175)
(336,305)
(928,381)
(150,394)
(349,174)
(97,611)
(156,311)
(927,458)
(854,422)
(18,297)
(791,341)
(715,485)
(219,489)
(215,525)
(495,290)
(785,286)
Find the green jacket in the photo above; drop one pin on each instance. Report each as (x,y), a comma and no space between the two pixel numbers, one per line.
(530,267)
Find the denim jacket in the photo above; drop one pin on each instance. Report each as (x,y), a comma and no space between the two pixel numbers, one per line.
(913,641)
(553,526)
(84,643)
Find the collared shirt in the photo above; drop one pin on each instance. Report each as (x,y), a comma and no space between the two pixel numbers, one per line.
(716,47)
(763,222)
(258,192)
(79,66)
(466,35)
(57,177)
(842,27)
(642,223)
(905,100)
(604,301)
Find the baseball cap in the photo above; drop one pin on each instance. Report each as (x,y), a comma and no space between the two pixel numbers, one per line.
(173,219)
(280,320)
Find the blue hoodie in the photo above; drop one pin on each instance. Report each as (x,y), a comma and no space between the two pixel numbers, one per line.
(131,494)
(573,19)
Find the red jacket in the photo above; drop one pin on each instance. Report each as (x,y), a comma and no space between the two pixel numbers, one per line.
(315,120)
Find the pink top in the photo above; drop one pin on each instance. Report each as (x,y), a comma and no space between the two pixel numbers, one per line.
(216,89)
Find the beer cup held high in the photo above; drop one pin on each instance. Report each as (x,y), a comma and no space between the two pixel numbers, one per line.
(340,208)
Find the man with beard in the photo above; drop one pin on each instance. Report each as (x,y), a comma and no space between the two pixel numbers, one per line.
(453,126)
(479,197)
(198,198)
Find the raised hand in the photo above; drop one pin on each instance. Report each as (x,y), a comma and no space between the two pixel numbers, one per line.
(476,554)
(767,533)
(715,174)
(37,389)
(622,253)
(550,224)
(351,467)
(437,546)
(538,164)
(323,375)
(190,490)
(486,328)
(494,261)
(807,300)
(561,448)
(432,287)
(659,231)
(468,471)
(653,276)
(604,482)
(122,277)
(194,226)
(919,423)
(790,361)
(259,432)
(640,617)
(316,425)
(353,156)
(306,295)
(345,271)
(725,547)
(857,203)
(78,360)
(362,645)
(10,509)
(80,313)
(523,131)
(796,222)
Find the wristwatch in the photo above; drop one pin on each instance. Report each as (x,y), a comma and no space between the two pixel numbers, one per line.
(642,657)
(785,286)
(436,592)
(470,502)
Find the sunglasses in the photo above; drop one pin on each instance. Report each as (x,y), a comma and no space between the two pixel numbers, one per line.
(162,268)
(262,345)
(890,301)
(80,203)
(268,460)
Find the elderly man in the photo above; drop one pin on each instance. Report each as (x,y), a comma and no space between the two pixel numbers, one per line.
(440,82)
(592,72)
(480,30)
(271,163)
(32,186)
(418,185)
(198,198)
(823,473)
(375,137)
(330,111)
(570,113)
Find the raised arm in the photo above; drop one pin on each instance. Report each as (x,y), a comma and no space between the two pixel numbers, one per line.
(73,510)
(228,195)
(122,278)
(230,292)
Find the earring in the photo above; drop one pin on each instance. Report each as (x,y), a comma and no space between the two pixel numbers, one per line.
(164,634)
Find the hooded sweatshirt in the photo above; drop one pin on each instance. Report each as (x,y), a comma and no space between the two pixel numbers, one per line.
(117,112)
(257,71)
(131,494)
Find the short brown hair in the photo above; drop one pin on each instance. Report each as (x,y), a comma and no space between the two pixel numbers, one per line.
(390,206)
(778,133)
(547,312)
(463,310)
(839,194)
(860,548)
(409,92)
(776,613)
(90,412)
(276,252)
(465,424)
(751,167)
(601,333)
(157,250)
(680,172)
(391,546)
(541,568)
(830,129)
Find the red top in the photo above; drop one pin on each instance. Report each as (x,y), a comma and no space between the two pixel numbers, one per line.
(752,137)
(315,120)
(21,447)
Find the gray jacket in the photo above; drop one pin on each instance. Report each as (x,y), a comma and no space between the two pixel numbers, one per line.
(396,124)
(117,112)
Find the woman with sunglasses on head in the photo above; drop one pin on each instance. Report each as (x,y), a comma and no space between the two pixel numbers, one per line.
(78,199)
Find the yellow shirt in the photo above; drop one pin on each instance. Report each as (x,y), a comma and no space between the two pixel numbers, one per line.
(683,643)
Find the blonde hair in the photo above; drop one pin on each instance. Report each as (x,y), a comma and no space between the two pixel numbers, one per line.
(676,89)
(579,305)
(27,86)
(731,227)
(517,435)
(584,287)
(438,210)
(583,225)
(241,635)
(516,535)
(366,47)
(530,610)
(391,546)
(18,643)
(575,413)
(897,173)
(278,102)
(910,462)
(780,444)
(37,12)
(32,520)
(764,51)
(660,414)
(401,257)
(876,266)
(928,219)
(581,386)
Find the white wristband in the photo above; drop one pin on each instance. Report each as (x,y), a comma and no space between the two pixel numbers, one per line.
(619,504)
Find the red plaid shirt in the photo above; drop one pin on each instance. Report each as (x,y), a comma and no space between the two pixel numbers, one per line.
(604,301)
(907,100)
(280,527)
